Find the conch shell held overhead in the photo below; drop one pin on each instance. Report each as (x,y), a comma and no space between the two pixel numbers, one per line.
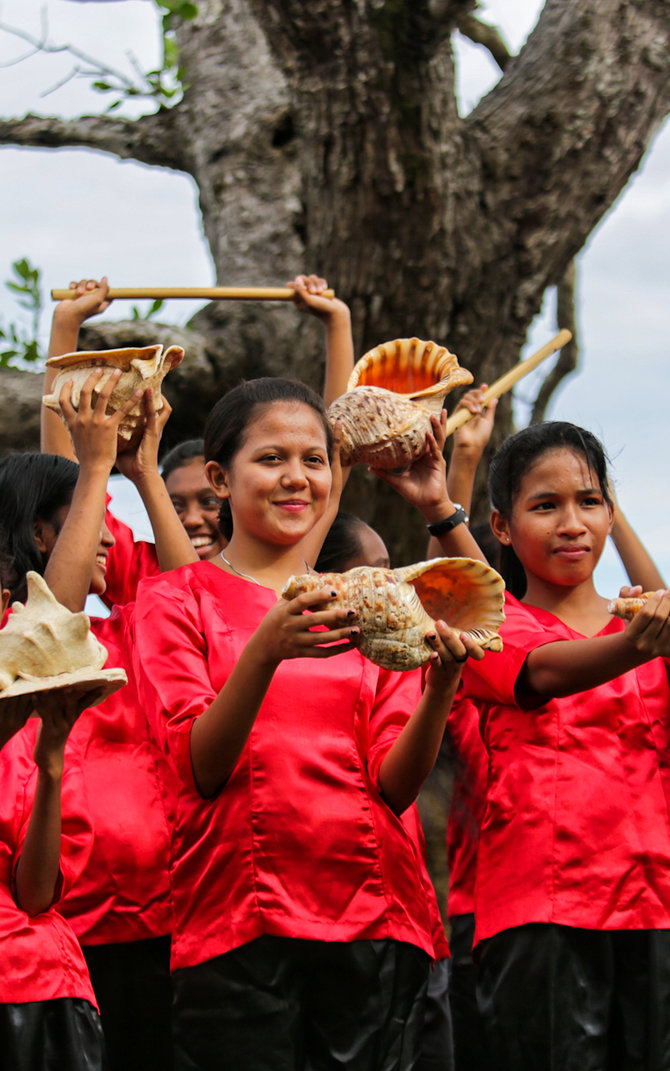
(44,646)
(391,395)
(146,367)
(397,607)
(627,608)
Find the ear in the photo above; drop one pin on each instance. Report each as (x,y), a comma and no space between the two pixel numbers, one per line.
(218,479)
(500,527)
(611,509)
(38,531)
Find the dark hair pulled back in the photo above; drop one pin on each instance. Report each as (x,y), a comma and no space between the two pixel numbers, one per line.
(32,487)
(235,411)
(342,543)
(517,455)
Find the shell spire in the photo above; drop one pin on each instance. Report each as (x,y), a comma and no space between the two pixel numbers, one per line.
(44,646)
(397,607)
(140,367)
(392,392)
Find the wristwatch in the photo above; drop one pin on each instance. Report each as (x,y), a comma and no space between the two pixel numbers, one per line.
(459,516)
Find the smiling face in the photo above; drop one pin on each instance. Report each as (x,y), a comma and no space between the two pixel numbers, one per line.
(278,481)
(558,523)
(46,535)
(196,506)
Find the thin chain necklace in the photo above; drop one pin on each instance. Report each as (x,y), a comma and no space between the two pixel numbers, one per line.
(246,576)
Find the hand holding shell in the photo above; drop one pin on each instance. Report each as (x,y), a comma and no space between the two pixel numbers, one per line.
(397,607)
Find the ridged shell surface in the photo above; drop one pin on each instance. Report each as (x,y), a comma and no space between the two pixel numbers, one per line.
(46,645)
(145,367)
(391,394)
(627,608)
(396,607)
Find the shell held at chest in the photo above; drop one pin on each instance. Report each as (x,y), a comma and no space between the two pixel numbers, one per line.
(140,368)
(397,607)
(44,646)
(392,393)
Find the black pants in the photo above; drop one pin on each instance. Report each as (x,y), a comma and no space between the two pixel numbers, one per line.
(283,1004)
(131,981)
(50,1035)
(437,1048)
(470,1053)
(556,998)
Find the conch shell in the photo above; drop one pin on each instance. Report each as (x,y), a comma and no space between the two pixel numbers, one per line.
(627,608)
(391,395)
(145,367)
(44,646)
(396,607)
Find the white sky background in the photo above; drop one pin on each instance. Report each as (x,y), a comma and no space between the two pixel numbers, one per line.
(78,213)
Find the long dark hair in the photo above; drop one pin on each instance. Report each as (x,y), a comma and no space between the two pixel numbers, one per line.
(513,459)
(32,487)
(232,414)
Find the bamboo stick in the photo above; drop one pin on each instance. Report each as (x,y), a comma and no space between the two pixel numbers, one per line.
(507,381)
(211,293)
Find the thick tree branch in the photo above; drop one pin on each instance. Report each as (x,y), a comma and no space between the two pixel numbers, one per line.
(151,140)
(481,33)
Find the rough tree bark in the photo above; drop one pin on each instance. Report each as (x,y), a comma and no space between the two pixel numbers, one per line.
(327,137)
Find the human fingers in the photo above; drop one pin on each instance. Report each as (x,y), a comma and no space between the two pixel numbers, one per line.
(650,628)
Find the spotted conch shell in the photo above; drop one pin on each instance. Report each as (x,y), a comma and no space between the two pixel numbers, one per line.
(44,646)
(396,607)
(144,368)
(391,394)
(627,608)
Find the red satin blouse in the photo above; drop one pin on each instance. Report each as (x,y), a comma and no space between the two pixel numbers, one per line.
(128,562)
(40,957)
(124,894)
(577,823)
(298,842)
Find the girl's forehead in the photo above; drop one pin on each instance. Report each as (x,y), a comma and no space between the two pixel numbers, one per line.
(286,419)
(560,465)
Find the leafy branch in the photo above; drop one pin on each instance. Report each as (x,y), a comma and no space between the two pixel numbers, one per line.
(23,343)
(163,84)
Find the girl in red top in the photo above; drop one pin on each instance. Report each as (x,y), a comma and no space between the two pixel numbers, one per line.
(302,936)
(48,1013)
(572,905)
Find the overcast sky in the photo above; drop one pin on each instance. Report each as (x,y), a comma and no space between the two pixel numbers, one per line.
(76,213)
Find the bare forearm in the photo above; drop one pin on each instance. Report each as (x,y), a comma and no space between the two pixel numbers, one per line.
(339,355)
(559,669)
(39,865)
(636,560)
(173,546)
(70,567)
(413,755)
(461,475)
(219,735)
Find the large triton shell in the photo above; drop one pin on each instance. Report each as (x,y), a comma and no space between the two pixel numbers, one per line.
(44,646)
(144,368)
(391,394)
(396,607)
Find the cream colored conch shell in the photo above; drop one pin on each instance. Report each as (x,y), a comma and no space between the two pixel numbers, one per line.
(396,607)
(145,367)
(391,394)
(44,646)
(627,608)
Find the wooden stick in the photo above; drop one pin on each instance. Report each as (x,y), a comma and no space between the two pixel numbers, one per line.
(507,381)
(211,293)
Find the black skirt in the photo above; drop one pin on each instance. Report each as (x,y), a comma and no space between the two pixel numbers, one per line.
(50,1035)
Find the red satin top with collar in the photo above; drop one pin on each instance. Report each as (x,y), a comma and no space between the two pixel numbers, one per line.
(128,562)
(298,842)
(40,957)
(577,822)
(468,802)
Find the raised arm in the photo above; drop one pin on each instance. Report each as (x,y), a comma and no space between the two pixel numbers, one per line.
(424,485)
(67,319)
(336,319)
(636,560)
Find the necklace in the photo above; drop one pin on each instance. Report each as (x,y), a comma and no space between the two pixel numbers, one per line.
(246,576)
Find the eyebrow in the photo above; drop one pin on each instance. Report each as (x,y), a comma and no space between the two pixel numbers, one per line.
(556,494)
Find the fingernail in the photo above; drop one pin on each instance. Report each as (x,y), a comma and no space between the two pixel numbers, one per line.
(351,613)
(354,631)
(333,594)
